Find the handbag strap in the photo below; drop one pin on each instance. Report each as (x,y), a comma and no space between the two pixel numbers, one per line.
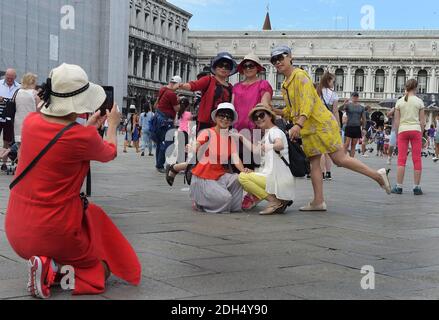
(40,155)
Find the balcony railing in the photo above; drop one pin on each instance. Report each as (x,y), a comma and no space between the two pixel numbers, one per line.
(140,82)
(158,39)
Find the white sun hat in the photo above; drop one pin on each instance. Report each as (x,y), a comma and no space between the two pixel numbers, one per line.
(68,91)
(225,106)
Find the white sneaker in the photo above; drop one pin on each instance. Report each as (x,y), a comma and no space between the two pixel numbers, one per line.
(435,159)
(365,156)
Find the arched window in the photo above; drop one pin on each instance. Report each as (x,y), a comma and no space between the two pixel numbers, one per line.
(401,79)
(139,22)
(147,24)
(263,74)
(319,75)
(170,32)
(379,80)
(280,78)
(339,80)
(422,81)
(359,80)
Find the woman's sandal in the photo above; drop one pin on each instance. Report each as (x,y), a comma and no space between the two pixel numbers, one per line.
(272,209)
(169,179)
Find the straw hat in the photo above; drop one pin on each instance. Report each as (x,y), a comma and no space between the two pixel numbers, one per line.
(262,107)
(225,106)
(253,58)
(68,91)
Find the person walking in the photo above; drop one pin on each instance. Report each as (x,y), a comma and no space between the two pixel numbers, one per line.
(48,222)
(26,101)
(330,98)
(409,124)
(145,120)
(129,128)
(8,88)
(317,127)
(356,120)
(436,140)
(167,107)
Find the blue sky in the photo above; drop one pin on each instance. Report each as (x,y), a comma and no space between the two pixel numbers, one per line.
(310,14)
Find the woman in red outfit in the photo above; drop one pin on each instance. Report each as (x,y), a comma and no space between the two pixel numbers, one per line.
(47,222)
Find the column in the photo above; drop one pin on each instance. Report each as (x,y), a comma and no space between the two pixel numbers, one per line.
(140,65)
(173,68)
(184,65)
(432,87)
(389,80)
(149,67)
(133,52)
(349,80)
(412,73)
(157,69)
(165,70)
(368,86)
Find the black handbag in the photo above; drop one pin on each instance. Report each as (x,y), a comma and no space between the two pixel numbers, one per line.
(298,161)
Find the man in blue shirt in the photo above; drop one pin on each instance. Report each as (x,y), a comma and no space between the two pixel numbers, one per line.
(8,87)
(145,119)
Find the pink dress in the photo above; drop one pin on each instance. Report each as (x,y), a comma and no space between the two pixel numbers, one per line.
(184,122)
(246,98)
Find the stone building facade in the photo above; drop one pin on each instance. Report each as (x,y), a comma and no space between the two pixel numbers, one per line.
(36,36)
(374,63)
(158,48)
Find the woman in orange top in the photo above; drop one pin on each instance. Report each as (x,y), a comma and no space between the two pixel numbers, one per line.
(213,188)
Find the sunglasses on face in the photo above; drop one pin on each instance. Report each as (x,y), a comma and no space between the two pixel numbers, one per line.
(224,65)
(225,116)
(249,66)
(259,116)
(279,58)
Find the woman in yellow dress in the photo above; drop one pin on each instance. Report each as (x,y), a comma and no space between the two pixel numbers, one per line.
(317,127)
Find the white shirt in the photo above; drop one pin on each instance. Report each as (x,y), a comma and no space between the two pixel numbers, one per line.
(329,97)
(26,103)
(280,180)
(6,91)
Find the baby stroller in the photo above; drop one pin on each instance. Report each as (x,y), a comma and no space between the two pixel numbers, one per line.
(12,155)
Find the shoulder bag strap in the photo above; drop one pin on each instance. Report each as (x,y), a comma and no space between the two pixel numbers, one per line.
(42,153)
(14,97)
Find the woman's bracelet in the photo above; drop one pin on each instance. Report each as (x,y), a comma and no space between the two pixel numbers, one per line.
(299,125)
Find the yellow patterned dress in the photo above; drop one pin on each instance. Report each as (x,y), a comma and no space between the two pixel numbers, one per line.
(321,132)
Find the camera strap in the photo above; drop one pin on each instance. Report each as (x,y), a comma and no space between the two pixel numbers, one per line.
(41,154)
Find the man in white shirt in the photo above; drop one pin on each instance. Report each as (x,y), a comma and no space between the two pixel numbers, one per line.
(8,87)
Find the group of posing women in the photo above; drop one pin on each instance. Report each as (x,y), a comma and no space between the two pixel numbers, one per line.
(50,224)
(215,186)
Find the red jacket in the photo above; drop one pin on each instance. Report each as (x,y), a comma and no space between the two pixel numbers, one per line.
(213,94)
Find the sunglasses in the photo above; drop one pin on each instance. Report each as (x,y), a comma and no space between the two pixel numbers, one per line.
(278,58)
(249,66)
(259,116)
(224,65)
(225,116)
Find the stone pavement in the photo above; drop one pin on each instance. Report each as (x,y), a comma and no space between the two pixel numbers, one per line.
(189,255)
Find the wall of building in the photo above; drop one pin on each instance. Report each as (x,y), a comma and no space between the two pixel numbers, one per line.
(34,39)
(373,53)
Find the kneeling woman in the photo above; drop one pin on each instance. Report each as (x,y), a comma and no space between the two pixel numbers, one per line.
(273,181)
(214,188)
(47,221)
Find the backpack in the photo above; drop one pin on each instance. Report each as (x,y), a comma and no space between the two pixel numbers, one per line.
(9,109)
(297,160)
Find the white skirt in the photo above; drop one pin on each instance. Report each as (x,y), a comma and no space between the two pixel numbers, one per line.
(281,181)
